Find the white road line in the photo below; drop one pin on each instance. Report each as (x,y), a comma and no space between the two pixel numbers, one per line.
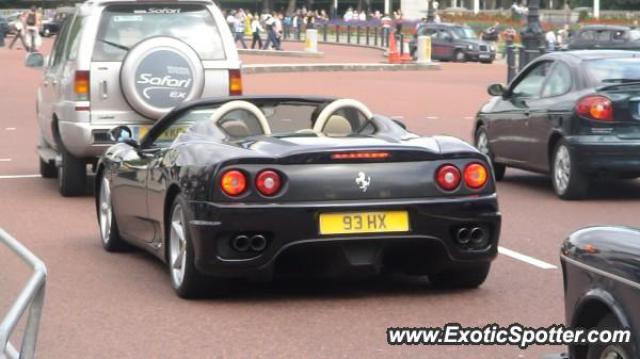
(10,129)
(432,117)
(525,258)
(468,117)
(5,159)
(19,176)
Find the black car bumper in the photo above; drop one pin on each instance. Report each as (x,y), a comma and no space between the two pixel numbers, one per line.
(606,155)
(294,245)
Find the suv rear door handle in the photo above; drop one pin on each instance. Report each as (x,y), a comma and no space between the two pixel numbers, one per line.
(103,89)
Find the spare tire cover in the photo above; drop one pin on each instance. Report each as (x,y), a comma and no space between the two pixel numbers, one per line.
(160,73)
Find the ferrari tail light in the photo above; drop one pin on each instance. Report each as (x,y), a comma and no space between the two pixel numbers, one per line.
(235,82)
(268,182)
(475,175)
(597,108)
(233,183)
(448,177)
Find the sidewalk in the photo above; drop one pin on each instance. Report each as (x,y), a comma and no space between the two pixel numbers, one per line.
(331,54)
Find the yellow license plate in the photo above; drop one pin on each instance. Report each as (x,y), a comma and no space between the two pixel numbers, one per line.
(364,222)
(169,134)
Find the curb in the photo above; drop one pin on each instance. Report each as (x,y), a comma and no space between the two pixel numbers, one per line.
(384,49)
(280,53)
(283,68)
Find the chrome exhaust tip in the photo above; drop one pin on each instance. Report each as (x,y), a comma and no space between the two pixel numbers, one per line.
(258,243)
(463,236)
(241,243)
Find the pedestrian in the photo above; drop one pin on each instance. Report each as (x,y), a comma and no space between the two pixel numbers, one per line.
(272,39)
(398,19)
(550,37)
(386,28)
(33,21)
(256,29)
(278,29)
(238,26)
(19,28)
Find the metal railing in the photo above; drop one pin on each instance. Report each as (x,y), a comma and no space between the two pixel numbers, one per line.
(31,297)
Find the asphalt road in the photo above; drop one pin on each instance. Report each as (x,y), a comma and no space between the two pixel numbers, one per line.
(102,305)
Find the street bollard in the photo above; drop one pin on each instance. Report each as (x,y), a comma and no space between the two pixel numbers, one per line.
(511,63)
(348,34)
(423,50)
(311,40)
(324,32)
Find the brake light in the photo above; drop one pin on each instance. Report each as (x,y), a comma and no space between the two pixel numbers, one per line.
(596,108)
(359,155)
(235,82)
(448,177)
(81,85)
(268,182)
(233,183)
(475,175)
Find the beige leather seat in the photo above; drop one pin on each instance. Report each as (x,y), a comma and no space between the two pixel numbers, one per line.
(337,126)
(236,128)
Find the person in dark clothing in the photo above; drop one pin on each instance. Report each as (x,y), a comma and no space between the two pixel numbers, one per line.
(256,28)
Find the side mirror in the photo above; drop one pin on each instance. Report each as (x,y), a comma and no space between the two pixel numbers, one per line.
(399,123)
(123,134)
(496,90)
(34,60)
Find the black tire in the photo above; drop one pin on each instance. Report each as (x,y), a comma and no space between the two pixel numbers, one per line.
(193,284)
(459,56)
(498,168)
(48,169)
(465,277)
(72,176)
(109,234)
(568,182)
(600,350)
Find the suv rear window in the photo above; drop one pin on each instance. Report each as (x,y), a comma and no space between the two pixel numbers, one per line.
(123,26)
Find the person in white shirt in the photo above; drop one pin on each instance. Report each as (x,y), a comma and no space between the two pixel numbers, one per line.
(238,27)
(348,16)
(363,16)
(550,37)
(256,29)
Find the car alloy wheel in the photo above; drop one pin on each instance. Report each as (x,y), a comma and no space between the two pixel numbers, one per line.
(177,246)
(105,211)
(460,56)
(562,169)
(482,143)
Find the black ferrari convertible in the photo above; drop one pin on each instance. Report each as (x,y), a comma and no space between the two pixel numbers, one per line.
(252,187)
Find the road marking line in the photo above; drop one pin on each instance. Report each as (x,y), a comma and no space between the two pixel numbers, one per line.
(468,117)
(19,176)
(432,117)
(10,129)
(525,258)
(5,159)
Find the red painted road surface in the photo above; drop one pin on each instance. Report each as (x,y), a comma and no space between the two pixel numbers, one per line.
(103,305)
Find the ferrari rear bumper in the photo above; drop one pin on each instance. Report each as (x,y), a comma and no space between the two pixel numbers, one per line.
(294,244)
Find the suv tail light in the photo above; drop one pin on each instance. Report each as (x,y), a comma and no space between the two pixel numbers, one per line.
(448,177)
(597,108)
(475,175)
(233,183)
(268,182)
(235,82)
(81,85)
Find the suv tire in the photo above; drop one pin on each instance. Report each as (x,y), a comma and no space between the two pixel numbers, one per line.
(72,175)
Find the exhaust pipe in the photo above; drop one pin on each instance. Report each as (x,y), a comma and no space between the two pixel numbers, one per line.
(258,243)
(479,236)
(463,236)
(241,243)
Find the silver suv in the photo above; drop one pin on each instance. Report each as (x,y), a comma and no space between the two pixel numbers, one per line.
(126,63)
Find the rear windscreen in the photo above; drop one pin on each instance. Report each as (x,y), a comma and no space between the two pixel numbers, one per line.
(123,26)
(614,70)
